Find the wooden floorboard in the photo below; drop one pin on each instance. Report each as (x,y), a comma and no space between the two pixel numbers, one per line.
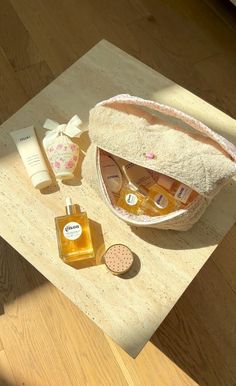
(6,374)
(205,320)
(44,338)
(49,341)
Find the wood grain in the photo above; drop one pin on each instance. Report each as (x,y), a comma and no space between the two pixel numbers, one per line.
(58,35)
(6,375)
(205,320)
(1,345)
(169,260)
(134,28)
(12,94)
(48,340)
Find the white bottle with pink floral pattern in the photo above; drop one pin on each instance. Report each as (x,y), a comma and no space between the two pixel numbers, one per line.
(63,155)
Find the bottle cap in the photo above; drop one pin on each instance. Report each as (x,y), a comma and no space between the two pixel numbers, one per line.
(71,208)
(118,259)
(41,179)
(68,201)
(132,185)
(63,175)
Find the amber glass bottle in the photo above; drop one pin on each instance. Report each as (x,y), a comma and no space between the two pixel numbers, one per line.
(135,199)
(181,192)
(131,199)
(164,201)
(74,237)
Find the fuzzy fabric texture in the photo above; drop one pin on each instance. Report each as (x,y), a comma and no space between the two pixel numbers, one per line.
(130,133)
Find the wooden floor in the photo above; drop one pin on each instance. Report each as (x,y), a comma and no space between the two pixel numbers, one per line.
(44,339)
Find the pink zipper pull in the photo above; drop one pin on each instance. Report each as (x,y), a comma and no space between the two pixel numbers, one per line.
(149,155)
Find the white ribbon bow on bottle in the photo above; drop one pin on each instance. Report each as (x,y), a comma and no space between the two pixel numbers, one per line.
(71,129)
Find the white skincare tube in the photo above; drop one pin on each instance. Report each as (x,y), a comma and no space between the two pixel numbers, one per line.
(31,155)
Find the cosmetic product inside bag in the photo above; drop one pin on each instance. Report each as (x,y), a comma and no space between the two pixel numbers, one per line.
(154,165)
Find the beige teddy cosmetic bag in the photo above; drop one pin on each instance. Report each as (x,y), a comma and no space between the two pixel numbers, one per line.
(162,139)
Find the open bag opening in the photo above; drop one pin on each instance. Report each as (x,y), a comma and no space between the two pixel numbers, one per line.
(188,167)
(140,195)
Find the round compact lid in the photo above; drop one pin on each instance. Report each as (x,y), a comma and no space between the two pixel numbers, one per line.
(118,259)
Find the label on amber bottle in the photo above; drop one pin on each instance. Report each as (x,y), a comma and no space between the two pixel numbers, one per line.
(183,193)
(161,201)
(72,230)
(131,199)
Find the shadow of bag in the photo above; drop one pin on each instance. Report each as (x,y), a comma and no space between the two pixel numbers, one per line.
(183,148)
